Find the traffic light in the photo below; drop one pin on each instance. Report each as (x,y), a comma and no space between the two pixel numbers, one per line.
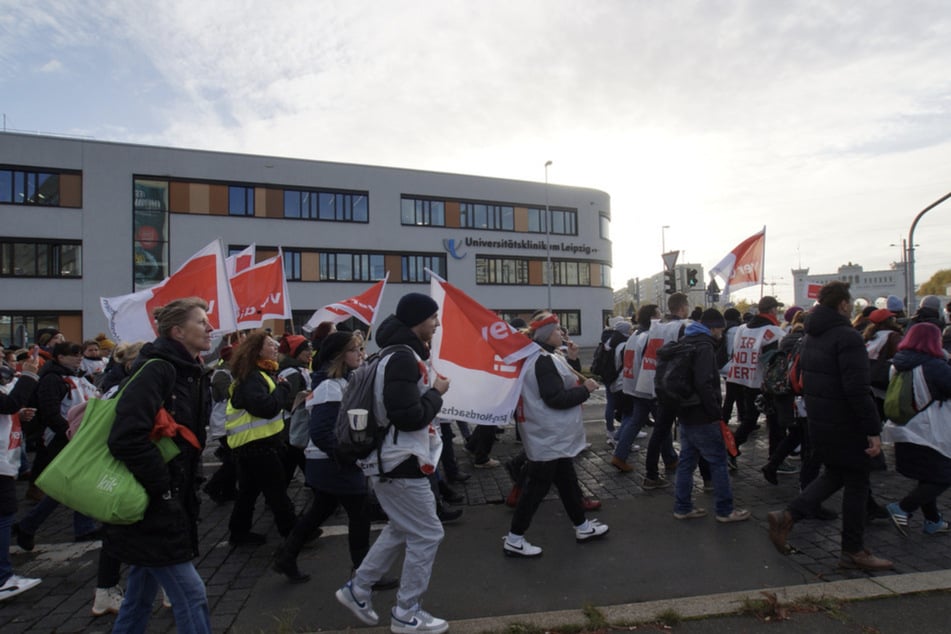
(691,277)
(670,282)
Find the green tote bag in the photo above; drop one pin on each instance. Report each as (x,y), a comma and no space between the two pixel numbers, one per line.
(87,478)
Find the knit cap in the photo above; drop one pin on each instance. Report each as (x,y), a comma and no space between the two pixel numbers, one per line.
(711,318)
(415,308)
(894,304)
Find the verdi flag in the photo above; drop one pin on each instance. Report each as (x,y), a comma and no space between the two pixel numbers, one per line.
(743,266)
(363,306)
(202,275)
(260,292)
(482,356)
(240,261)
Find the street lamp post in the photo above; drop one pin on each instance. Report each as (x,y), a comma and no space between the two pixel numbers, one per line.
(548,235)
(910,260)
(663,241)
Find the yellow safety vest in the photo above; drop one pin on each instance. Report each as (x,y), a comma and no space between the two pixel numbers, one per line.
(241,427)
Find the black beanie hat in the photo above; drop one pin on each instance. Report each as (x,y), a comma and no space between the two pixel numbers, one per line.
(711,318)
(331,346)
(415,308)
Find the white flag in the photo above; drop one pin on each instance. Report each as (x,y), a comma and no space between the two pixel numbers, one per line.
(202,275)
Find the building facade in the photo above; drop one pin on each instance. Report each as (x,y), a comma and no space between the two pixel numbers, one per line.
(866,285)
(88,219)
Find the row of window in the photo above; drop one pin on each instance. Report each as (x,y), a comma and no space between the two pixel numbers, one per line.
(23,187)
(517,272)
(424,212)
(21,258)
(17,330)
(359,267)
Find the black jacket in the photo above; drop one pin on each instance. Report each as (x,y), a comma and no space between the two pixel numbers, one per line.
(551,386)
(407,409)
(836,388)
(706,380)
(50,392)
(168,533)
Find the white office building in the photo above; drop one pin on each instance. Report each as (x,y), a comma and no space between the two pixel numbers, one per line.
(88,219)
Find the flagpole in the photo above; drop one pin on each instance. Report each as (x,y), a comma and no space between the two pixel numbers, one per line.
(762,281)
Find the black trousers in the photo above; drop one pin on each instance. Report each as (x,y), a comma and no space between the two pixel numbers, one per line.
(322,507)
(480,443)
(260,467)
(748,421)
(540,477)
(855,485)
(924,496)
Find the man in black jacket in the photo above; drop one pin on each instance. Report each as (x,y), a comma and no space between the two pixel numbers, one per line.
(843,425)
(700,432)
(412,396)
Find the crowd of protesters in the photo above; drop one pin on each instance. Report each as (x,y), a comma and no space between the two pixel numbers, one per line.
(244,403)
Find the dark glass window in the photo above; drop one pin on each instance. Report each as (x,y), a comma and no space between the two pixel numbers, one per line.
(414,267)
(491,270)
(22,258)
(240,201)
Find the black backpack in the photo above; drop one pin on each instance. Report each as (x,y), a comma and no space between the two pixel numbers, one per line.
(602,364)
(360,394)
(776,373)
(673,378)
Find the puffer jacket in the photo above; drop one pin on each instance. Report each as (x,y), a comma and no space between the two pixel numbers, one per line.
(706,377)
(168,533)
(836,387)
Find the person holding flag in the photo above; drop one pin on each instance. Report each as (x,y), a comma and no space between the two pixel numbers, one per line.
(412,395)
(552,433)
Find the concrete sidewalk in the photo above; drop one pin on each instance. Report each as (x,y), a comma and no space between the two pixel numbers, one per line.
(648,563)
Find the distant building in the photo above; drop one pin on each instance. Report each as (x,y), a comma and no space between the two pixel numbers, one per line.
(867,285)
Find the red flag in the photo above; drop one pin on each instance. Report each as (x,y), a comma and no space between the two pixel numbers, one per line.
(260,292)
(482,355)
(240,261)
(363,306)
(743,266)
(202,275)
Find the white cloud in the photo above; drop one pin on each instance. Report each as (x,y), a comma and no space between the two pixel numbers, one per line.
(826,121)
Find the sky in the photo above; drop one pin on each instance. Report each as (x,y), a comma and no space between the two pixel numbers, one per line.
(829,122)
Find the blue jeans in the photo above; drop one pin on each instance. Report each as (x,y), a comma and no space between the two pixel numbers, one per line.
(631,425)
(705,441)
(31,522)
(185,589)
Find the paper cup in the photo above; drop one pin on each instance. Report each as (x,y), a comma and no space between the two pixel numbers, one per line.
(358,419)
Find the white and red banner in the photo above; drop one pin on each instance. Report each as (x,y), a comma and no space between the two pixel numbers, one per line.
(363,306)
(743,266)
(240,261)
(482,356)
(202,275)
(260,292)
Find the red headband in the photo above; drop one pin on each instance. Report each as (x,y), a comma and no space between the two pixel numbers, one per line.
(551,319)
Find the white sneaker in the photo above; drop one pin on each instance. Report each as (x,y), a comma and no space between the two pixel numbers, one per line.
(107,600)
(523,549)
(363,610)
(591,529)
(16,584)
(421,621)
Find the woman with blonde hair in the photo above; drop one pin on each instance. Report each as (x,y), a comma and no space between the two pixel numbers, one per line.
(253,424)
(161,546)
